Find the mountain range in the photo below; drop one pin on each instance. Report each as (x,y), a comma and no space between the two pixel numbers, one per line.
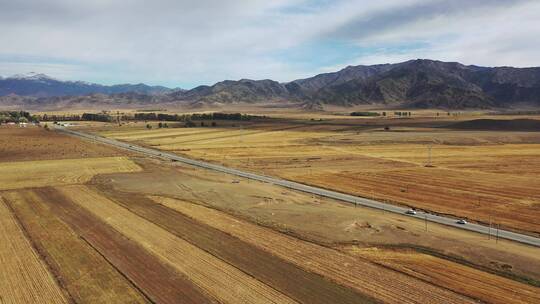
(418,83)
(41,85)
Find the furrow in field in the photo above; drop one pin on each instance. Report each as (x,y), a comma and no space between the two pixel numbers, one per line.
(383,284)
(149,134)
(164,139)
(158,281)
(303,286)
(476,283)
(167,143)
(82,272)
(23,278)
(223,281)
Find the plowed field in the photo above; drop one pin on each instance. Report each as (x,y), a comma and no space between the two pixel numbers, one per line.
(466,280)
(159,282)
(85,274)
(226,283)
(458,278)
(33,143)
(24,278)
(387,286)
(479,175)
(306,287)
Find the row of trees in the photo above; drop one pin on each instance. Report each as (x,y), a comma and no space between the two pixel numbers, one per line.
(107,117)
(97,117)
(17,116)
(365,114)
(400,114)
(189,117)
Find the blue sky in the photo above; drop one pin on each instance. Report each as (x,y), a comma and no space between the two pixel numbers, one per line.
(187,43)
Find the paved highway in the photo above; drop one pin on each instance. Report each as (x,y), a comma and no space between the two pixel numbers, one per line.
(505,234)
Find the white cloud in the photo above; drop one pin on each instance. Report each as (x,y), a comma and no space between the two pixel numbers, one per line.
(491,36)
(191,42)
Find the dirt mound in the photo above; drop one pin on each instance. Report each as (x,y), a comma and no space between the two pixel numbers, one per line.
(498,125)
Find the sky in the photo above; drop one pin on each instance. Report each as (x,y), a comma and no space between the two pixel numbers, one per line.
(180,43)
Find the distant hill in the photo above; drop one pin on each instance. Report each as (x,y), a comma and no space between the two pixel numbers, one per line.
(40,85)
(418,83)
(415,84)
(229,91)
(429,84)
(309,86)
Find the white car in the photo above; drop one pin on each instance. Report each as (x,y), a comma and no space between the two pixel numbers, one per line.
(411,212)
(462,222)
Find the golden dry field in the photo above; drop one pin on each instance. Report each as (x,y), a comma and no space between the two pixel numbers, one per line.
(87,276)
(206,271)
(42,173)
(481,175)
(24,277)
(91,224)
(316,259)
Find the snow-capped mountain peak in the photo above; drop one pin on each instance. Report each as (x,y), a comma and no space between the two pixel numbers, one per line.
(31,76)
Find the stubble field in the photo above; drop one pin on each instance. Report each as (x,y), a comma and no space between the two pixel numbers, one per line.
(114,228)
(479,175)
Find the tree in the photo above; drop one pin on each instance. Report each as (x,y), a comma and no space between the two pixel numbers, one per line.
(46,127)
(148,126)
(160,125)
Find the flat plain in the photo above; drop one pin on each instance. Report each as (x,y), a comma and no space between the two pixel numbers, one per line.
(425,163)
(100,225)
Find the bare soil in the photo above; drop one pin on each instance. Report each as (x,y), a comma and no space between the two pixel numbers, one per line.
(24,277)
(482,175)
(446,274)
(159,282)
(320,220)
(301,285)
(84,273)
(34,143)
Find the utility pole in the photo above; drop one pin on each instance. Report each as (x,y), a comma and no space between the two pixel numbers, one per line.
(497,238)
(429,155)
(425,220)
(489,231)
